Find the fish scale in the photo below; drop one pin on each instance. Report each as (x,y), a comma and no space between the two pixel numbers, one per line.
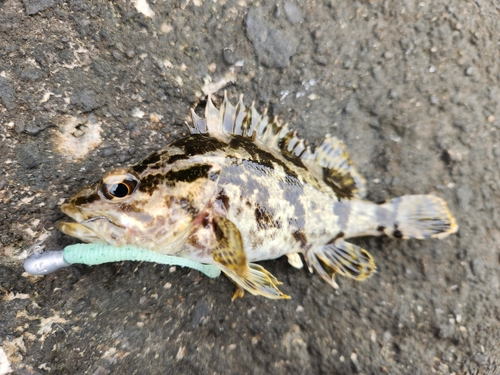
(243,188)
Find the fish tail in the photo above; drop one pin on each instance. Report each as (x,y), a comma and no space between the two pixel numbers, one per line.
(420,217)
(410,216)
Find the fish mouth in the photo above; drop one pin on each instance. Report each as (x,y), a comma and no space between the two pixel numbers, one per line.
(76,214)
(88,228)
(73,212)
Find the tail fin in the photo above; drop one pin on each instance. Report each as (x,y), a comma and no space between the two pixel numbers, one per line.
(420,217)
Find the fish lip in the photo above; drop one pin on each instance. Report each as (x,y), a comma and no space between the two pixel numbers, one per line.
(76,214)
(73,212)
(94,218)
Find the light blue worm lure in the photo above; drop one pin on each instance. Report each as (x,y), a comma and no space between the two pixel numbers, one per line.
(99,253)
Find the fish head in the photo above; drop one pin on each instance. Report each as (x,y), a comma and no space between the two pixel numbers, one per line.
(155,209)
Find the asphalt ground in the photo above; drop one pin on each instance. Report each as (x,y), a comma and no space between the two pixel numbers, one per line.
(412,87)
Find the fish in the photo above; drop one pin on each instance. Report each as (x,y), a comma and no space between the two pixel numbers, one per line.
(242,188)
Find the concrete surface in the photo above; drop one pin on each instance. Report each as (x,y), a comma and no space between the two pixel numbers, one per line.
(411,86)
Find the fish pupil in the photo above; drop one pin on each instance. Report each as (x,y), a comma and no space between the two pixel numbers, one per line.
(126,186)
(119,190)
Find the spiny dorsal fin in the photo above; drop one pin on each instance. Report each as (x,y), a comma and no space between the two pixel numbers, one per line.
(330,162)
(248,122)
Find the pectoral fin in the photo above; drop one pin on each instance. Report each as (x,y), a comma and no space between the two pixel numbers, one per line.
(231,258)
(229,251)
(258,281)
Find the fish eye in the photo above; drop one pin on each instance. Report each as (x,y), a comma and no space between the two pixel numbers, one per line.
(119,186)
(120,190)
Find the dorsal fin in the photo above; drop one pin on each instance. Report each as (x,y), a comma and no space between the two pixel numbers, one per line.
(330,162)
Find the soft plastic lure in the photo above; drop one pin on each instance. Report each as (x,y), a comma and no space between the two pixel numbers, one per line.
(98,253)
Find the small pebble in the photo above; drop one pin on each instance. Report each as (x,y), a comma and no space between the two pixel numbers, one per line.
(107,152)
(480,359)
(293,13)
(20,126)
(117,55)
(228,56)
(469,71)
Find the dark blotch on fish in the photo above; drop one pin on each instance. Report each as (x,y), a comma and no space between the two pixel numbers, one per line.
(343,185)
(397,233)
(197,144)
(187,205)
(152,159)
(150,182)
(80,201)
(265,220)
(189,174)
(125,207)
(300,236)
(337,236)
(291,157)
(263,157)
(224,199)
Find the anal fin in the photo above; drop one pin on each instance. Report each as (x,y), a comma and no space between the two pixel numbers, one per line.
(343,258)
(231,258)
(294,260)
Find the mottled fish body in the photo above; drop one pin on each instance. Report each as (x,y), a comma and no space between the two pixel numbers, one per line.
(242,188)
